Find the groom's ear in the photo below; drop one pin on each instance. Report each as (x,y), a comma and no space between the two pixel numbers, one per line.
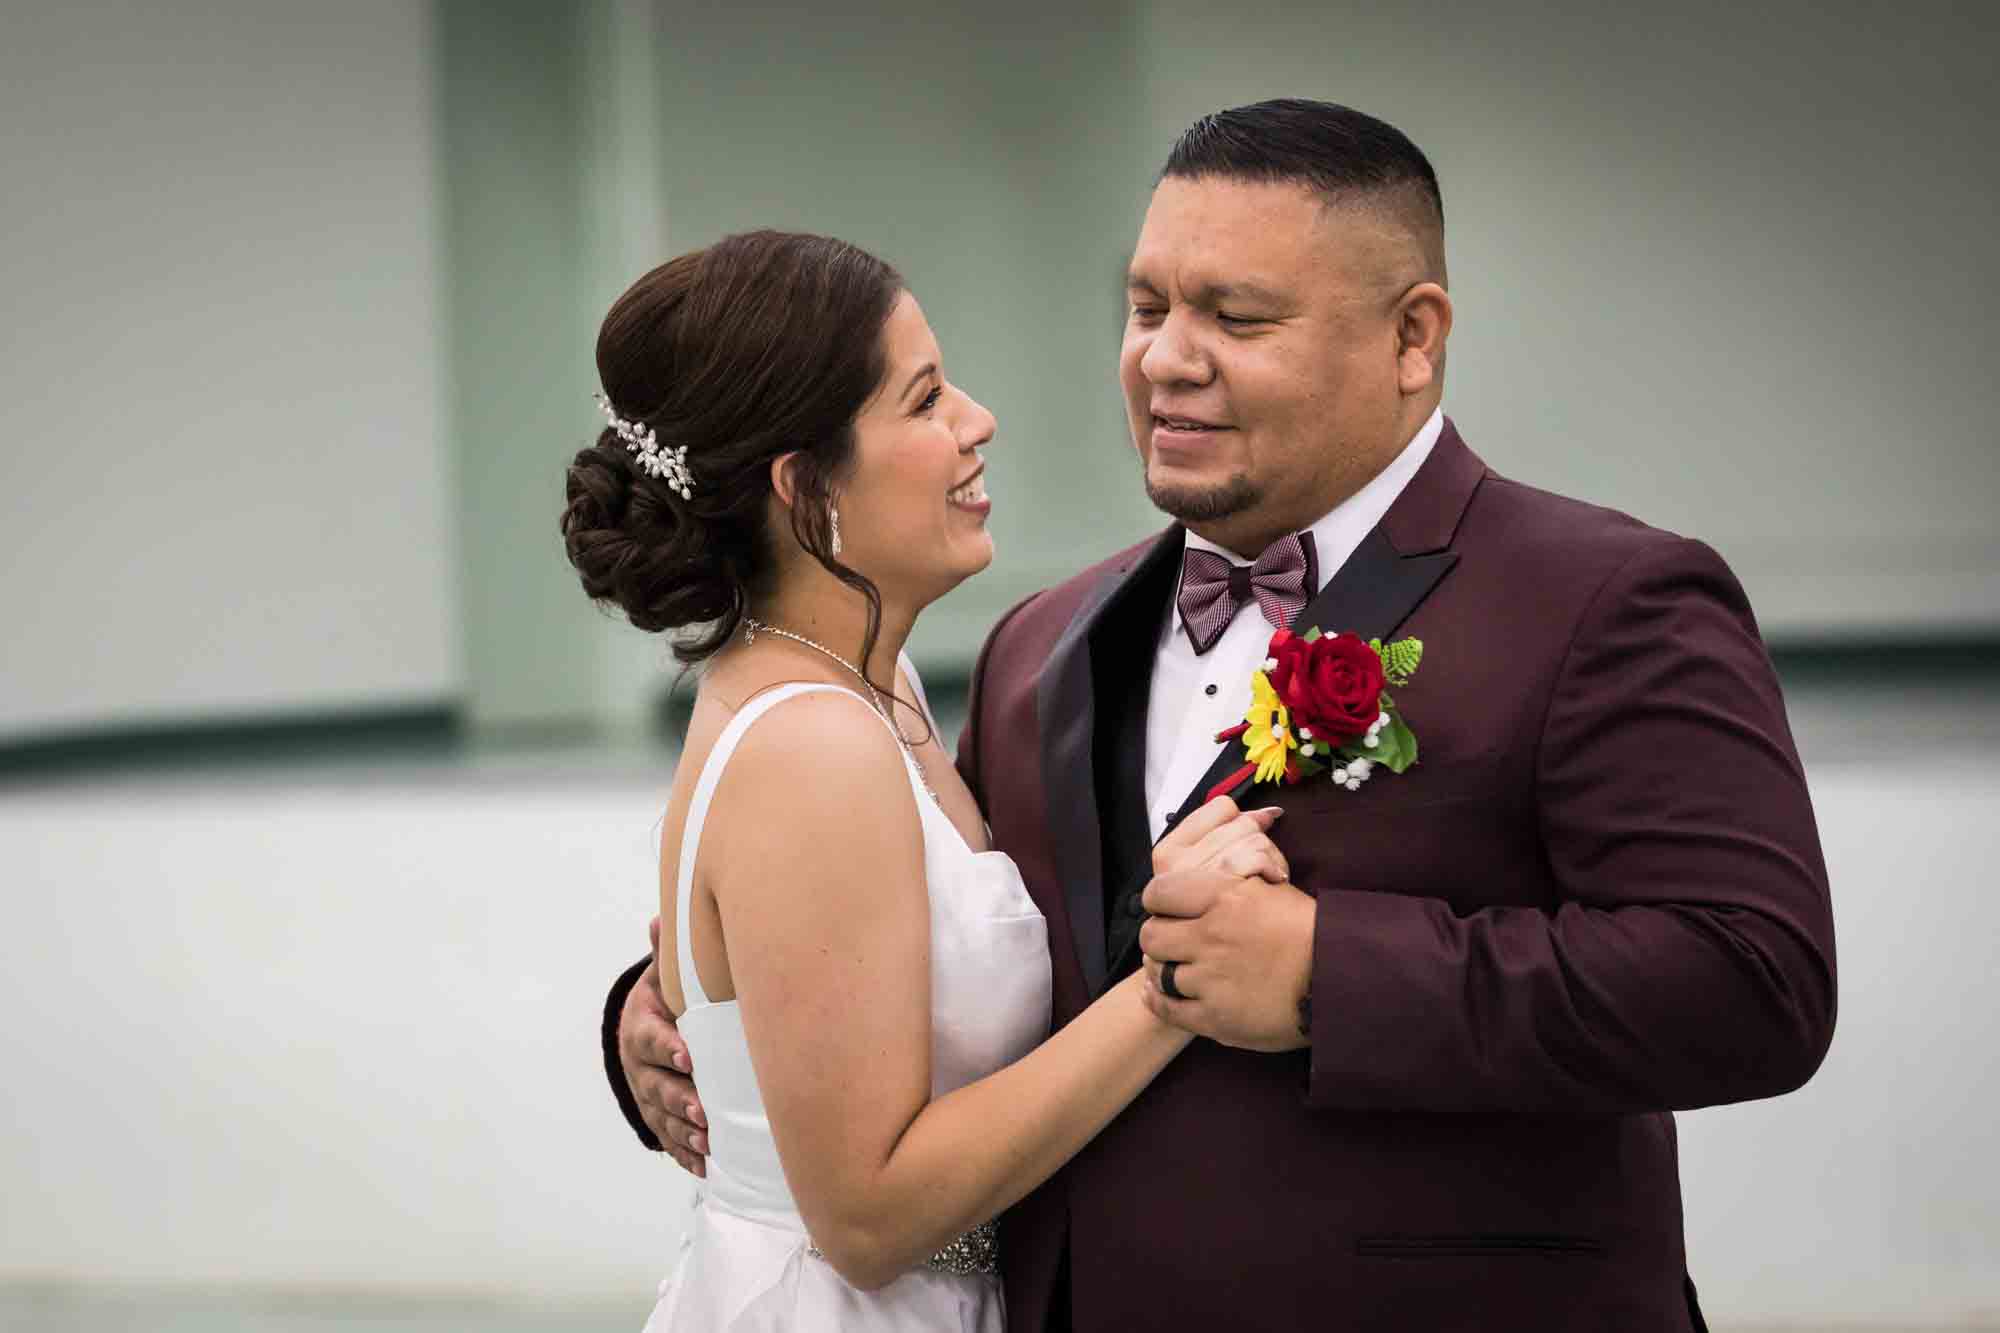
(1423,323)
(784,479)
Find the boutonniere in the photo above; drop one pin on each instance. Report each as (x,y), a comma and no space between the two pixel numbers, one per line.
(1320,703)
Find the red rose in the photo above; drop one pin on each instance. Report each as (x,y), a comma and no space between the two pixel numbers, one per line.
(1332,686)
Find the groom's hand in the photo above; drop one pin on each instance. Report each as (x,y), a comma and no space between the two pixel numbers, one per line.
(659,1070)
(1244,949)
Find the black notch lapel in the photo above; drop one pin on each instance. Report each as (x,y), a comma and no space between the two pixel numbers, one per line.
(1371,595)
(1066,713)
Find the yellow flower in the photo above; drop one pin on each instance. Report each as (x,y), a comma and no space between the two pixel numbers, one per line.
(1270,740)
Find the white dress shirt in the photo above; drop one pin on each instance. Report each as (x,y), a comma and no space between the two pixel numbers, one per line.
(1194,697)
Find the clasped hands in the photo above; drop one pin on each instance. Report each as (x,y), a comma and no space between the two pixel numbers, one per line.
(1240,934)
(1223,909)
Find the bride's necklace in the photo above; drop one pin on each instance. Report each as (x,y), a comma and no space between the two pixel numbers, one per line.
(752,627)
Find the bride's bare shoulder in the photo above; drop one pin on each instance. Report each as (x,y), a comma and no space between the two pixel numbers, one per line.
(809,761)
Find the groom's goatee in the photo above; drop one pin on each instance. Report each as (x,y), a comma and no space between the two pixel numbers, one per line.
(1205,504)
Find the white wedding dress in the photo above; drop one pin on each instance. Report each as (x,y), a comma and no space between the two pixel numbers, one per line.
(746,1263)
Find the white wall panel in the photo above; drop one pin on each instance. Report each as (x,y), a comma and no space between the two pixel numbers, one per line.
(341,1030)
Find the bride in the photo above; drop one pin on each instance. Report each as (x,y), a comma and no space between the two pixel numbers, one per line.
(787,480)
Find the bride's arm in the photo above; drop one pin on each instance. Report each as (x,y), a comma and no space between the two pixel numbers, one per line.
(815,853)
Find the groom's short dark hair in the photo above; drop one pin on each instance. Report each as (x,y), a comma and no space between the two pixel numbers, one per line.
(1345,155)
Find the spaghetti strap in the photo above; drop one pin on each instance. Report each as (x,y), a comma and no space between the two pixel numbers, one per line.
(704,793)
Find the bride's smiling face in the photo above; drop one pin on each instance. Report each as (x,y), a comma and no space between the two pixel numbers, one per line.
(913,504)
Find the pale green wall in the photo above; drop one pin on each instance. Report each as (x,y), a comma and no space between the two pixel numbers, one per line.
(1725,268)
(222,489)
(995,159)
(511,119)
(1729,267)
(1725,265)
(994,155)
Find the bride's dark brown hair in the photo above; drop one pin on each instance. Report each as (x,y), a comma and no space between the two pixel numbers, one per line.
(764,344)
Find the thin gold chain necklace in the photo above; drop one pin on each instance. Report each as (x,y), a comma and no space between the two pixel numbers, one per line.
(752,627)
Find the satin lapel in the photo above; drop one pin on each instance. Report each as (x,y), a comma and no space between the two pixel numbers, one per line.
(1373,593)
(1066,713)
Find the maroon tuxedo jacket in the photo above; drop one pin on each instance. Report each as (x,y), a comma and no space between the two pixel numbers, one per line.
(1597,898)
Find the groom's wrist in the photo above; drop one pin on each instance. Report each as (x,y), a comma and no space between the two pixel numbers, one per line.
(1298,1016)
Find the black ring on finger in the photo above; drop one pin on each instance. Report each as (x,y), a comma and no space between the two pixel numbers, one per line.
(1167,981)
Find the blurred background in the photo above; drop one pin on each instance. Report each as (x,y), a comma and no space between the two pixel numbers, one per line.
(328,803)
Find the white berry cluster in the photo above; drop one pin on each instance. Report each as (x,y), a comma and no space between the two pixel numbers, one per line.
(668,465)
(1374,736)
(1354,772)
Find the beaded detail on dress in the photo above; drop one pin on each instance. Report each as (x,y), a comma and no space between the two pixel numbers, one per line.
(977,1251)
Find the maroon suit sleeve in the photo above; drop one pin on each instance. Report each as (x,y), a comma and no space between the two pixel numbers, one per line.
(614,1005)
(1687,959)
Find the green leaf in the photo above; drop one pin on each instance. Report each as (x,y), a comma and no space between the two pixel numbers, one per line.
(1401,659)
(1311,635)
(1395,746)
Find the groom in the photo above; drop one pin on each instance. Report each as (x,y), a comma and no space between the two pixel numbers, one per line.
(1445,1055)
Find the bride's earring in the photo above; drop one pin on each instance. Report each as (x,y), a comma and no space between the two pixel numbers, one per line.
(833,513)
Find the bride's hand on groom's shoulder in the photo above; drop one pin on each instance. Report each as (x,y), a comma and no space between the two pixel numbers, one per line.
(1221,837)
(659,1070)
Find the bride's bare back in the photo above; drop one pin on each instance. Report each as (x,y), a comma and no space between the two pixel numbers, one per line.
(726,687)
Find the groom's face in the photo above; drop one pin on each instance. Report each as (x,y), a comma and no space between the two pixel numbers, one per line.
(1260,354)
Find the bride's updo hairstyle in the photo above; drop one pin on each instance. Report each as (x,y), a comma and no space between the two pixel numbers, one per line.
(764,344)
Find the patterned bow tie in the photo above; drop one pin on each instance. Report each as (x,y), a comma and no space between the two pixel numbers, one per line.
(1213,589)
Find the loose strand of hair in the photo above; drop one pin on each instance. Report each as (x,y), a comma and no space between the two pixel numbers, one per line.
(806,527)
